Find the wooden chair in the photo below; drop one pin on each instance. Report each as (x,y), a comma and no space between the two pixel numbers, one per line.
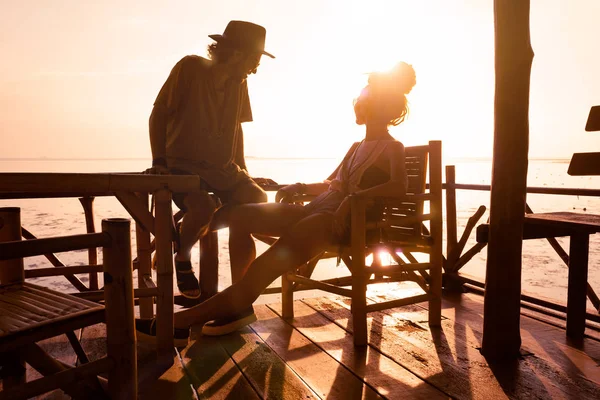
(30,313)
(399,231)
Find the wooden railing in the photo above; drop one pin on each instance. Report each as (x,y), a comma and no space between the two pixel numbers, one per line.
(456,258)
(133,191)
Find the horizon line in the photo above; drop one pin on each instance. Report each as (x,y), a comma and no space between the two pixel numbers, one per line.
(247,157)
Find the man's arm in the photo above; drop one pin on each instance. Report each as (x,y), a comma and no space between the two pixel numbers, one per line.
(239,157)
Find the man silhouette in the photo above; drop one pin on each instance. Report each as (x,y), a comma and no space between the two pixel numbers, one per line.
(195,128)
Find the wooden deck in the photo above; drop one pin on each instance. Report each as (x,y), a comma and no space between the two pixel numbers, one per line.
(313,356)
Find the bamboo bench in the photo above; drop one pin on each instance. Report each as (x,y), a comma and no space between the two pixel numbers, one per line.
(30,313)
(578,227)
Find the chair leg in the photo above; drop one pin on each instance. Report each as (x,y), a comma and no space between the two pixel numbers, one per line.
(359,309)
(12,371)
(287,297)
(435,290)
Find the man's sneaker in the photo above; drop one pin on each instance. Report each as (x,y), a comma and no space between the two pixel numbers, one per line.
(146,332)
(227,325)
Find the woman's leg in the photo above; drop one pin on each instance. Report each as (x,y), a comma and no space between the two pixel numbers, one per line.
(299,244)
(271,219)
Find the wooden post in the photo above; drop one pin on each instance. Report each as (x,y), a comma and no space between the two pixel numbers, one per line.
(120,319)
(359,284)
(450,214)
(164,275)
(12,271)
(435,188)
(579,247)
(144,258)
(209,264)
(287,296)
(88,209)
(514,55)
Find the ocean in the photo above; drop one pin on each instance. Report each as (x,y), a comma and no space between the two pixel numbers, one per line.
(543,274)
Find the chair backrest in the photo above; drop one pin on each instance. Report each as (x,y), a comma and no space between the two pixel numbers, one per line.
(395,212)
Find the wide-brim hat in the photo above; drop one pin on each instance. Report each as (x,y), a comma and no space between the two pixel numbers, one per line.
(244,36)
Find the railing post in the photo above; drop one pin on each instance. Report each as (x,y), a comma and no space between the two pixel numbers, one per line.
(359,278)
(120,325)
(144,259)
(11,271)
(435,188)
(450,213)
(164,274)
(88,210)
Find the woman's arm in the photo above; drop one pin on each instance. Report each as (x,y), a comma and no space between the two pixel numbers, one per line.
(312,189)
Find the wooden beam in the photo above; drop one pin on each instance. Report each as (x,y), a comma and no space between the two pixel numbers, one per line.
(513,58)
(37,247)
(85,184)
(57,263)
(53,271)
(137,209)
(451,210)
(88,209)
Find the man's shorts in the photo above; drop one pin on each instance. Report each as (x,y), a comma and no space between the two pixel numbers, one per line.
(225,196)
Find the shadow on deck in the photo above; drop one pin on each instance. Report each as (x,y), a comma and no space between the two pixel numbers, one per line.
(312,356)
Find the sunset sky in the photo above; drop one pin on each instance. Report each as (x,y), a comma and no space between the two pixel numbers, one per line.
(78,77)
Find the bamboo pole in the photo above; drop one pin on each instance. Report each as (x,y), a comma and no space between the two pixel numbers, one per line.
(12,271)
(36,247)
(359,284)
(84,184)
(514,55)
(436,224)
(120,327)
(53,271)
(88,209)
(56,263)
(455,254)
(451,213)
(144,258)
(164,275)
(287,296)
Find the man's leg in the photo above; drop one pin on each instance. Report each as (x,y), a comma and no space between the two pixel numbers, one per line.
(200,209)
(244,193)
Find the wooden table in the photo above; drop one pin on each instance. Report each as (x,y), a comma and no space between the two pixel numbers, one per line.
(578,227)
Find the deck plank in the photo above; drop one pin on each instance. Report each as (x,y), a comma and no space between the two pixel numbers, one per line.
(270,376)
(450,360)
(545,341)
(212,372)
(326,376)
(380,372)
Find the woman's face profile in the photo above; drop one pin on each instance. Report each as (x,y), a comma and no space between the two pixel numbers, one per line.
(360,107)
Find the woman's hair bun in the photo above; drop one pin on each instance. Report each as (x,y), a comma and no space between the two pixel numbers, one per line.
(401,77)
